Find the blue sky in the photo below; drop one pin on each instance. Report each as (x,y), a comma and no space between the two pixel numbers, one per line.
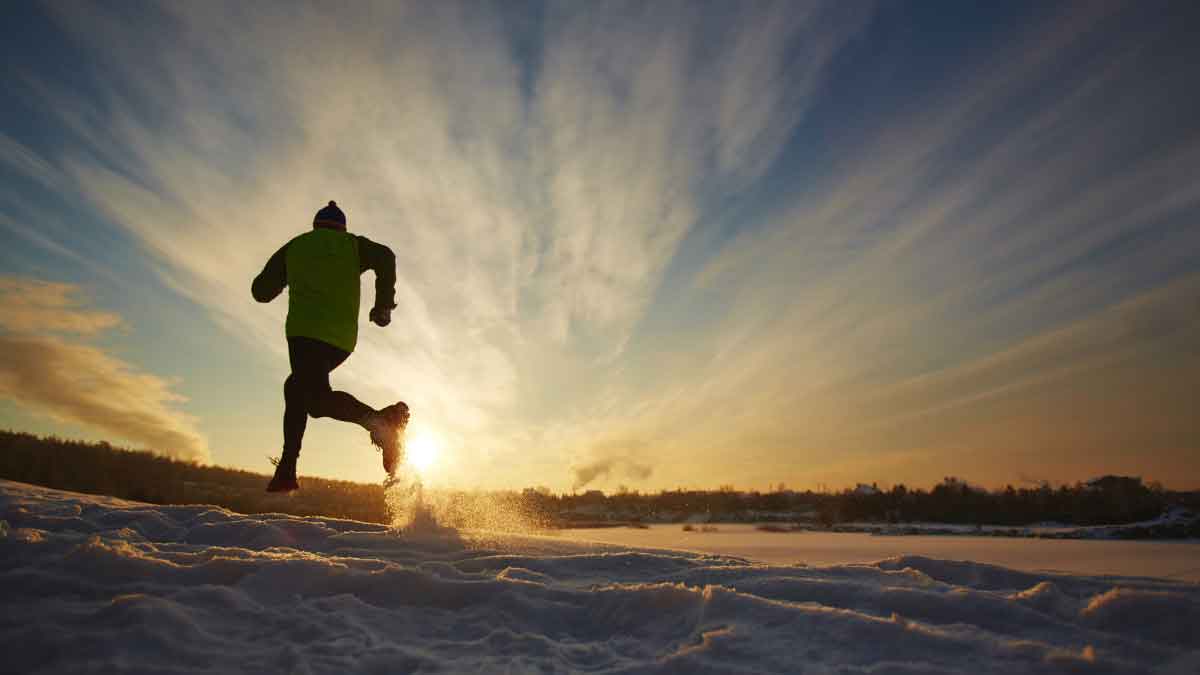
(648,244)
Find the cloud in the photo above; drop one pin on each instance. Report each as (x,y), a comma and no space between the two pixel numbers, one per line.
(598,236)
(534,204)
(32,305)
(81,383)
(1124,332)
(990,256)
(28,163)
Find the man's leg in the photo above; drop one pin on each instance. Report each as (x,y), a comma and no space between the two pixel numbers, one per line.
(295,415)
(312,361)
(295,418)
(309,391)
(383,425)
(327,402)
(306,392)
(340,406)
(301,391)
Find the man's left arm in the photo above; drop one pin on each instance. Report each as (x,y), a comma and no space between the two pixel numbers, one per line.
(379,259)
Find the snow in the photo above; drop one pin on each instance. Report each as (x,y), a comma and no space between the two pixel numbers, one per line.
(1177,559)
(99,584)
(1176,516)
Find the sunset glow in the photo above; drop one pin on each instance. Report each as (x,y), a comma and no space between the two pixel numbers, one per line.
(655,245)
(566,336)
(421,451)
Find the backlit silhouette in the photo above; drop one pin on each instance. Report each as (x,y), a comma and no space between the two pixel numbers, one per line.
(321,269)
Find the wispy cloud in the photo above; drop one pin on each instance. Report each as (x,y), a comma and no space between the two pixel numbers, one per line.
(28,163)
(576,268)
(1001,254)
(532,224)
(32,305)
(81,383)
(940,257)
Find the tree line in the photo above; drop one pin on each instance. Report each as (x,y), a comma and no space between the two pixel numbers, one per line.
(1104,500)
(101,468)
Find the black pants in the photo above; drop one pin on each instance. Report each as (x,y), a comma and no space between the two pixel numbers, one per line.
(306,392)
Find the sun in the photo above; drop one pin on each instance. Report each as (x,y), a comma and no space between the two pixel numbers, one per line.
(421,451)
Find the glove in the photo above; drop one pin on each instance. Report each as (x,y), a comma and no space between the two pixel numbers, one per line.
(381,316)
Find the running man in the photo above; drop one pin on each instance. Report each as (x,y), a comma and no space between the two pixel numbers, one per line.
(321,270)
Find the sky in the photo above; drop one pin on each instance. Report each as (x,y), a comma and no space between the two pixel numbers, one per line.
(656,245)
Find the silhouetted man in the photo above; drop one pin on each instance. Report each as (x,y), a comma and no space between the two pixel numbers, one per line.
(321,270)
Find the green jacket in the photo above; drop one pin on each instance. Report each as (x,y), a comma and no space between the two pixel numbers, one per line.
(321,270)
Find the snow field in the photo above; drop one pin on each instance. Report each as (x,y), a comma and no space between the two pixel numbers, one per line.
(93,583)
(1166,559)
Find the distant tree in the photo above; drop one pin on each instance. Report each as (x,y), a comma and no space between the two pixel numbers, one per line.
(101,468)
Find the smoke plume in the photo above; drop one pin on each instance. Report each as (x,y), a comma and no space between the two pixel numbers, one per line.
(611,463)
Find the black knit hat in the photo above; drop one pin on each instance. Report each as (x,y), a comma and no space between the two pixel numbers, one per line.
(331,217)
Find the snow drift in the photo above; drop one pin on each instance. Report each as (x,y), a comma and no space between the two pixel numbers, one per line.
(94,583)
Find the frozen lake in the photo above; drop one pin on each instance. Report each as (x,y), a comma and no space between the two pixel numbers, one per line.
(1178,560)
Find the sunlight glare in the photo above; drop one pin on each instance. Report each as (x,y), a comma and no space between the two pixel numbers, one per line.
(421,451)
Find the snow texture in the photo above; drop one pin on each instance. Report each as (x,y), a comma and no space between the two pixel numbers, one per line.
(1176,517)
(99,584)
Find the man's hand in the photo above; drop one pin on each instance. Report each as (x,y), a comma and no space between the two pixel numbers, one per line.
(380,316)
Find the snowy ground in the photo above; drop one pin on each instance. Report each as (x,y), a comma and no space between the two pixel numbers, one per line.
(1179,560)
(1176,519)
(91,583)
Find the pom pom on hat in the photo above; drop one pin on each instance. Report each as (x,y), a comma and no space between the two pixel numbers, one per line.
(331,217)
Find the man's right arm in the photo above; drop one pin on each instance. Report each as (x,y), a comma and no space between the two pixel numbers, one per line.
(273,279)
